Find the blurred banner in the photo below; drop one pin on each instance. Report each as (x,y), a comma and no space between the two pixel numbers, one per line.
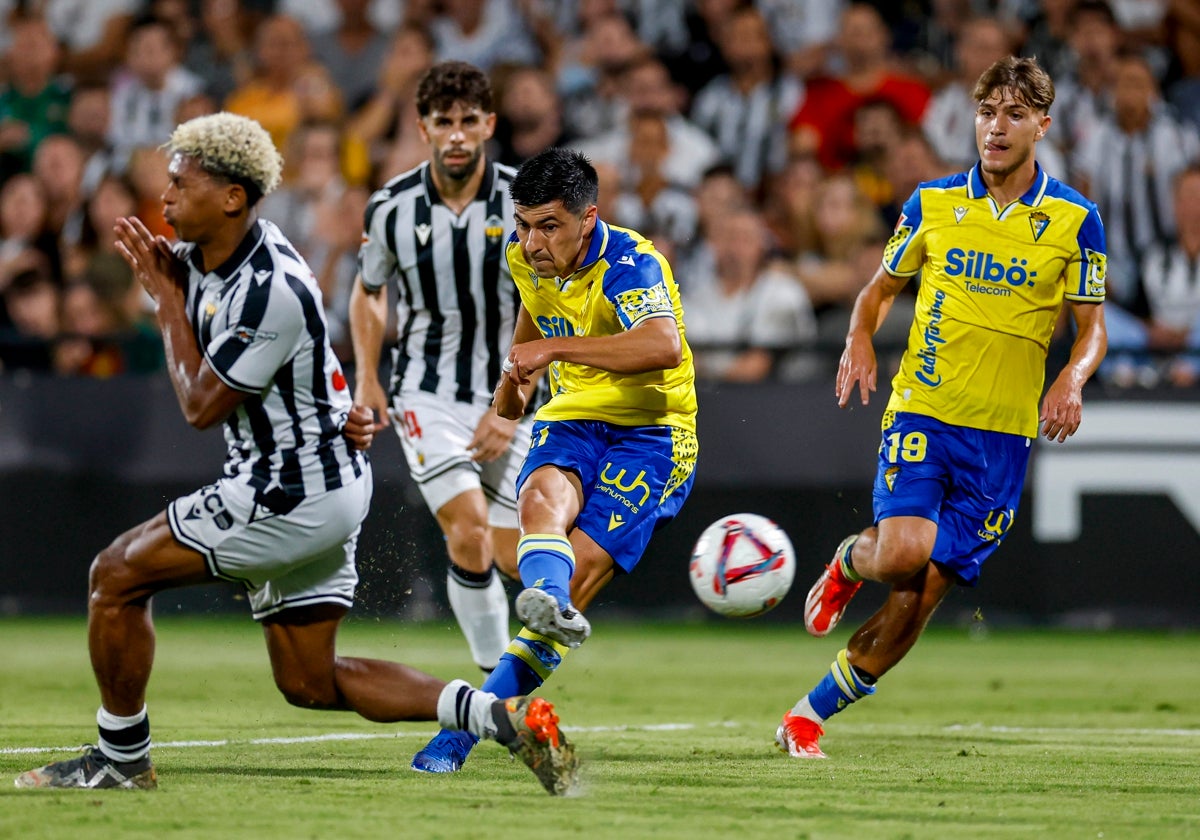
(1108,533)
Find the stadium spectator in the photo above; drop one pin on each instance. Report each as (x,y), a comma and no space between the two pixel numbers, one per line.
(33,102)
(824,123)
(647,88)
(964,408)
(92,34)
(803,31)
(23,226)
(333,252)
(112,199)
(744,110)
(1128,165)
(1084,96)
(147,91)
(320,16)
(591,72)
(648,199)
(89,343)
(58,165)
(485,33)
(789,207)
(529,115)
(614,449)
(88,119)
(294,463)
(1045,35)
(746,315)
(437,233)
(221,52)
(354,44)
(29,311)
(271,96)
(386,125)
(700,61)
(877,124)
(147,173)
(911,160)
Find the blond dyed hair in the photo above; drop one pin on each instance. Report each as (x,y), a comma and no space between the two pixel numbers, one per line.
(230,146)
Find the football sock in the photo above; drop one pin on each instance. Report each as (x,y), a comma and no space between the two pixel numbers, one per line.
(529,661)
(845,562)
(469,709)
(123,738)
(480,606)
(843,685)
(546,561)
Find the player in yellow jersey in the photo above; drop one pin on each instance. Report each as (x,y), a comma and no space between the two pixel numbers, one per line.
(998,249)
(613,451)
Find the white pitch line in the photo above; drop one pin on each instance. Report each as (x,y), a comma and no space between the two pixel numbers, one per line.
(362,736)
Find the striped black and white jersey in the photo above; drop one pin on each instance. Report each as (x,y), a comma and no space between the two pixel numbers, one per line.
(260,325)
(456,303)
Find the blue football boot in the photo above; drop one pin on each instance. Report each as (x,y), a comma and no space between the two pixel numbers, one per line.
(446,753)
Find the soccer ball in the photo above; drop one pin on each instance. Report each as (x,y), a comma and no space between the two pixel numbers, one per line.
(742,565)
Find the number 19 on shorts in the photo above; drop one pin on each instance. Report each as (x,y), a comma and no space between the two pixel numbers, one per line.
(909,447)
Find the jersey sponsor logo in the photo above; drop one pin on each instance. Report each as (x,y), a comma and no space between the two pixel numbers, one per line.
(555,326)
(638,303)
(248,335)
(983,265)
(615,520)
(1097,271)
(1038,222)
(995,524)
(617,488)
(927,372)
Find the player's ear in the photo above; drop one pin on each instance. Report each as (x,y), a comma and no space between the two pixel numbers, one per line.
(236,200)
(489,126)
(1043,126)
(589,219)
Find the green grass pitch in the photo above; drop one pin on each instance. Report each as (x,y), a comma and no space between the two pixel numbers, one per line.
(1001,734)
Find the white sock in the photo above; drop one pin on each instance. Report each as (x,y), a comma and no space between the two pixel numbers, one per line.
(462,707)
(804,709)
(482,613)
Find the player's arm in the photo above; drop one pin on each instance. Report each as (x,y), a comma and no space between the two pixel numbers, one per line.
(653,344)
(858,364)
(1062,407)
(513,392)
(368,322)
(204,399)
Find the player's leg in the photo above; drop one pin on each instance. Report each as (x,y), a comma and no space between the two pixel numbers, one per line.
(123,577)
(873,650)
(473,588)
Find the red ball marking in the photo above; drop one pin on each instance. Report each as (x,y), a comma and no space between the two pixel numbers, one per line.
(339,381)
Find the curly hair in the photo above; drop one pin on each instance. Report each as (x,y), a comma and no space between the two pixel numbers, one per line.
(448,82)
(232,147)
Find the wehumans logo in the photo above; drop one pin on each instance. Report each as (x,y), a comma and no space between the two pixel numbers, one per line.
(995,524)
(612,484)
(980,265)
(927,372)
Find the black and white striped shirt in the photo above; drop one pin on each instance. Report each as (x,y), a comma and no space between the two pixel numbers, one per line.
(260,325)
(457,304)
(750,129)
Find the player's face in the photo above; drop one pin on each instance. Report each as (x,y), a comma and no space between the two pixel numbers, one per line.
(194,202)
(553,239)
(456,137)
(1006,131)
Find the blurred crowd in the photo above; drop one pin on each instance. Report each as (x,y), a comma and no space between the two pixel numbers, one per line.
(766,146)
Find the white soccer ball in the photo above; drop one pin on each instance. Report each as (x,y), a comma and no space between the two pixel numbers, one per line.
(742,565)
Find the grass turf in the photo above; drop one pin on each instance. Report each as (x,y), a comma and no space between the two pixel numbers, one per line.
(1001,734)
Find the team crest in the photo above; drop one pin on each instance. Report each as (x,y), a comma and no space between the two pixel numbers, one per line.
(1097,271)
(493,228)
(1037,223)
(889,477)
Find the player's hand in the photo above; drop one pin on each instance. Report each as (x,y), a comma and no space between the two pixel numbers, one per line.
(1062,410)
(492,437)
(369,395)
(360,427)
(857,367)
(526,359)
(150,257)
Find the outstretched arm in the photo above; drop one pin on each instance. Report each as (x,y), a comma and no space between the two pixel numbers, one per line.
(1062,407)
(368,322)
(203,397)
(512,392)
(858,365)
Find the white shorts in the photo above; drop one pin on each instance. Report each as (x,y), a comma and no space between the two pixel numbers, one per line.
(305,556)
(435,434)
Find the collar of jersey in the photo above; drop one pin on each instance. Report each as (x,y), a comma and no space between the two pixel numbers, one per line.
(228,268)
(596,248)
(485,186)
(1032,197)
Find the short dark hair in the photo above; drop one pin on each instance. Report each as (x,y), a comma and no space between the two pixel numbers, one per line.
(448,82)
(1096,8)
(1023,77)
(556,174)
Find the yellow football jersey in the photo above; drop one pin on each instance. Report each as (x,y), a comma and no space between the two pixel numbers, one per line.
(993,280)
(623,281)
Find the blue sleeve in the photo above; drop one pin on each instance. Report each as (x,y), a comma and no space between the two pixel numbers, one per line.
(639,288)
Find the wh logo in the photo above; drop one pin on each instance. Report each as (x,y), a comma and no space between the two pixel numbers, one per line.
(1120,448)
